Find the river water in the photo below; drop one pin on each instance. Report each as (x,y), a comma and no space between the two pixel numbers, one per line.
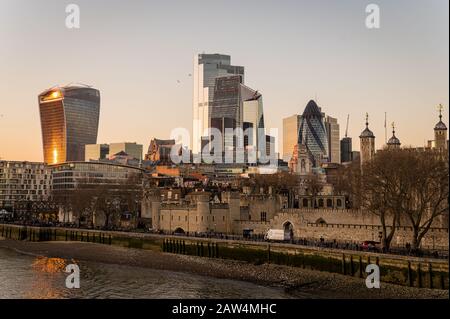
(25,276)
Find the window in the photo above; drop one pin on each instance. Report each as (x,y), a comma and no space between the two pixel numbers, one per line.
(263,216)
(321,202)
(305,202)
(329,202)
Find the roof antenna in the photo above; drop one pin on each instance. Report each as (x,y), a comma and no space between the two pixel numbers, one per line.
(346,126)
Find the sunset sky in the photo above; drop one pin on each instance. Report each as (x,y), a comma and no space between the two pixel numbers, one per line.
(139,55)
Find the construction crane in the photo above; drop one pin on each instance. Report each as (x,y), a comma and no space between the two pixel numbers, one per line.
(346,127)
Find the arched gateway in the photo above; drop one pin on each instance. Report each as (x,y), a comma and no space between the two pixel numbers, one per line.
(288,230)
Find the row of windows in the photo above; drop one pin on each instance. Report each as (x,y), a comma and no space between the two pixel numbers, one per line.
(21,186)
(196,218)
(23,182)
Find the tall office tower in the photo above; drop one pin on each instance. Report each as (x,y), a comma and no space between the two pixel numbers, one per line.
(291,126)
(131,149)
(233,105)
(334,145)
(313,134)
(253,125)
(270,146)
(69,121)
(367,143)
(207,67)
(346,150)
(440,133)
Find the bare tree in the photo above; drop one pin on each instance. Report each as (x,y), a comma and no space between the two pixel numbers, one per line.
(400,186)
(426,196)
(384,183)
(93,197)
(313,186)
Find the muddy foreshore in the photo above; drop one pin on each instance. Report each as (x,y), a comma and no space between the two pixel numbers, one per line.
(296,281)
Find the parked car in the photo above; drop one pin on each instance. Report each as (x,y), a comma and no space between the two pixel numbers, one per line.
(371,245)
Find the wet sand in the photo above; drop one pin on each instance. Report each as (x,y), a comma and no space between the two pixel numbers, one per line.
(296,281)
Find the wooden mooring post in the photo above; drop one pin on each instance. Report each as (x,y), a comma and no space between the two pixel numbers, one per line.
(344,266)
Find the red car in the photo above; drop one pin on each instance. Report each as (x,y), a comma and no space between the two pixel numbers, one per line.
(370,245)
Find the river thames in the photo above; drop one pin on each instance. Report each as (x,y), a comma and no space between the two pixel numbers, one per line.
(27,276)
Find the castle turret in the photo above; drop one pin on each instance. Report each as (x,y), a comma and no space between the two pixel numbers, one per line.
(367,143)
(440,132)
(203,210)
(154,200)
(394,142)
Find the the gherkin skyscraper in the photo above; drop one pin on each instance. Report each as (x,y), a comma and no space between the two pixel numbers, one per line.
(312,132)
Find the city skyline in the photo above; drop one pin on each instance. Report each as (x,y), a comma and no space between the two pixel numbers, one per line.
(406,78)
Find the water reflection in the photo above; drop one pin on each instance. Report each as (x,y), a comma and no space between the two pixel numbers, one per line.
(47,278)
(40,277)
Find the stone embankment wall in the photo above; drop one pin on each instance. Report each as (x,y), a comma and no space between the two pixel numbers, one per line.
(344,225)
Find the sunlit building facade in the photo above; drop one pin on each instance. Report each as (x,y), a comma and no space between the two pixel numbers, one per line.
(334,144)
(69,121)
(291,126)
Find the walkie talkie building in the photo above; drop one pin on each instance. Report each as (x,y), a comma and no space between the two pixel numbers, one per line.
(69,121)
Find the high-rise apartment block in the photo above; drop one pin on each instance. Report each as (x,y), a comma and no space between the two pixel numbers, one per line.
(23,183)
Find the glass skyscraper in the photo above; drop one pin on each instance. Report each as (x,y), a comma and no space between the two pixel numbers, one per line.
(69,121)
(208,67)
(312,132)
